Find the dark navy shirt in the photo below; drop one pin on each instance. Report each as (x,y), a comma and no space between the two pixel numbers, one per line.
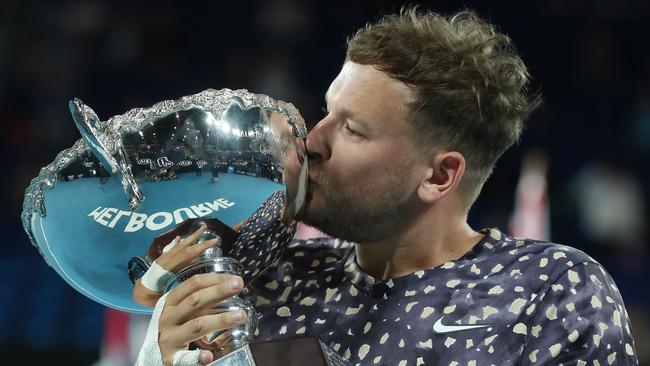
(507,301)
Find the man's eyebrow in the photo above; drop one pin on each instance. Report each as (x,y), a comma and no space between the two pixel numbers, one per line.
(347,113)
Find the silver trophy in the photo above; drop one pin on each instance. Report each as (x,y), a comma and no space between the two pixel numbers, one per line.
(216,155)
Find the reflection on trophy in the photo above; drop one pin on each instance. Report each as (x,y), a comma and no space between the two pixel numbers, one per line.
(138,179)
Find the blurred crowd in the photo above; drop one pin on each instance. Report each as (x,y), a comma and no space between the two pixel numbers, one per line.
(589,59)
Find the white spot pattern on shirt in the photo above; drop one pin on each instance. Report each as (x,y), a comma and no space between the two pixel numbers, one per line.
(322,292)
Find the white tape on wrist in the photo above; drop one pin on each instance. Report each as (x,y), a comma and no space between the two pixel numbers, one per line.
(156,278)
(150,354)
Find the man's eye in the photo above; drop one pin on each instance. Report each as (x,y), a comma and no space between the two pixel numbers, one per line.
(350,130)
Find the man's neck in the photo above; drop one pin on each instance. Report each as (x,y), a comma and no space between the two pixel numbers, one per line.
(426,243)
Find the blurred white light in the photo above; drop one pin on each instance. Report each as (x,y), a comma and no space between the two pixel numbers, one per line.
(224,126)
(209,118)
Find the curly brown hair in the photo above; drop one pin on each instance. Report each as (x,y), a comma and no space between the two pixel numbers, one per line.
(470,86)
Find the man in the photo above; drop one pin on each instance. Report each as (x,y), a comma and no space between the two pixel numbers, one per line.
(420,112)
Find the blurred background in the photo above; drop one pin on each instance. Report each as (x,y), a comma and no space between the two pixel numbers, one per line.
(579,177)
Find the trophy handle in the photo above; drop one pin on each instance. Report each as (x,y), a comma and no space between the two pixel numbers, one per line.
(107,149)
(93,134)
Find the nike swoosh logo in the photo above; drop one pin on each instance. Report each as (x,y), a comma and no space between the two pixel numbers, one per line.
(440,328)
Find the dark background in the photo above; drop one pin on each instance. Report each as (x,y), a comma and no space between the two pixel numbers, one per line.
(590,60)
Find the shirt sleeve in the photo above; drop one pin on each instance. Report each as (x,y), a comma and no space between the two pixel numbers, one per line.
(263,237)
(580,320)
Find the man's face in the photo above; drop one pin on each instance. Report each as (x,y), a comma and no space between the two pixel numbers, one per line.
(364,169)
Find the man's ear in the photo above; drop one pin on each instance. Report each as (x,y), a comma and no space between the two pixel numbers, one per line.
(444,175)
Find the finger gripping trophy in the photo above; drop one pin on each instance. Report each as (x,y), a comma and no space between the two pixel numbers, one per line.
(137,178)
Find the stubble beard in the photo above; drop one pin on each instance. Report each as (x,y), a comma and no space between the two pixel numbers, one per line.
(358,213)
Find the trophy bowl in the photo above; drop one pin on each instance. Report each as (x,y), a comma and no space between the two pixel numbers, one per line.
(218,154)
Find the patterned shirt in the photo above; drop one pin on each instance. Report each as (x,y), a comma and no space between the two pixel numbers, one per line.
(507,301)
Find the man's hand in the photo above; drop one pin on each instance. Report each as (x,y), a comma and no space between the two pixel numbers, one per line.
(184,251)
(180,254)
(188,315)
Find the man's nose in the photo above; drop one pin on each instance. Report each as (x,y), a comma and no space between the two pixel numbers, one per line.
(318,141)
